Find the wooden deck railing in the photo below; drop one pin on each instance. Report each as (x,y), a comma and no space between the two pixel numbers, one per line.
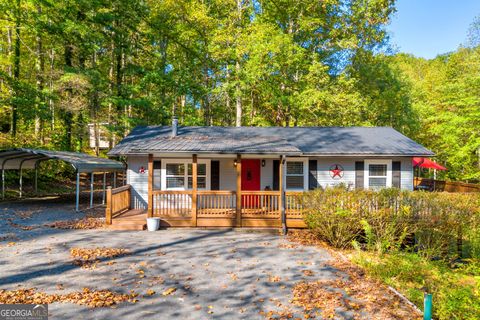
(293,207)
(118,201)
(173,204)
(212,206)
(260,204)
(216,203)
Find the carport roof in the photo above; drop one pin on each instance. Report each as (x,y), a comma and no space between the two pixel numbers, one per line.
(27,158)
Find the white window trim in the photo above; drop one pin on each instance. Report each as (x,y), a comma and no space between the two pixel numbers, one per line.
(367,163)
(185,162)
(305,174)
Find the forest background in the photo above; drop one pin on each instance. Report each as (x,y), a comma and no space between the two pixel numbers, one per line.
(115,64)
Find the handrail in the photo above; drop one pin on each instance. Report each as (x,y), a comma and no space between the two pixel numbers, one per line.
(114,205)
(172,192)
(216,192)
(260,193)
(121,189)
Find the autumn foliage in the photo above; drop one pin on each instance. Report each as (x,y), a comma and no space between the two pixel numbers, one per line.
(87,297)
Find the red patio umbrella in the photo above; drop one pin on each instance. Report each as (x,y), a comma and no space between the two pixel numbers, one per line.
(427,163)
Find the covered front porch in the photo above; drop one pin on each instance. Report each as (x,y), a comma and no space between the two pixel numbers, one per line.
(185,192)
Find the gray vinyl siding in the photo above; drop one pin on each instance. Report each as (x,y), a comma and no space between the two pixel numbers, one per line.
(348,164)
(138,181)
(406,179)
(323,172)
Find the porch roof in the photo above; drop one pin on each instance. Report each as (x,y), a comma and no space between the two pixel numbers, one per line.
(337,141)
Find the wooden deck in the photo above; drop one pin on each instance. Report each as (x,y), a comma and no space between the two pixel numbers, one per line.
(135,219)
(206,208)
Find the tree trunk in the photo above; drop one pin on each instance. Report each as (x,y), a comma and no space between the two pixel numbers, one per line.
(110,106)
(68,118)
(16,70)
(238,90)
(40,66)
(94,110)
(50,87)
(238,96)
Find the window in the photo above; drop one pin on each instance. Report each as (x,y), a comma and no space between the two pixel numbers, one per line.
(178,174)
(175,175)
(295,176)
(378,174)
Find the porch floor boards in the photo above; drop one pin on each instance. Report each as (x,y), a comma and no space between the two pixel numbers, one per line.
(134,219)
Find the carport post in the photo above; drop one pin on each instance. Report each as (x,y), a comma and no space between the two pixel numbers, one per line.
(77,195)
(91,190)
(104,186)
(36,177)
(20,182)
(3,183)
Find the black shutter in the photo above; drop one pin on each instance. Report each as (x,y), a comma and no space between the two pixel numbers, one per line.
(276,168)
(396,174)
(359,174)
(215,175)
(312,175)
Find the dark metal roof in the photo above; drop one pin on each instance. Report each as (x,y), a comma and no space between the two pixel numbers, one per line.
(339,141)
(26,158)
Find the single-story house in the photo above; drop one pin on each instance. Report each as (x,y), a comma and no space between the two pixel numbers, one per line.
(251,171)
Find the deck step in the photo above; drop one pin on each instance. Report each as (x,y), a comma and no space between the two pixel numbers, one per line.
(127,226)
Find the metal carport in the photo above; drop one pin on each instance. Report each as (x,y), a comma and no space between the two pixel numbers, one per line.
(24,158)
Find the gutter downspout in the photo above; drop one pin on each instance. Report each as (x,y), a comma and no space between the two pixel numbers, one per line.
(283,163)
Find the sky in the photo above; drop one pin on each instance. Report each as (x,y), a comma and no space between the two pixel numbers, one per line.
(426,28)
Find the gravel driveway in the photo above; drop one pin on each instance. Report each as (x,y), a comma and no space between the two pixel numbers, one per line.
(215,274)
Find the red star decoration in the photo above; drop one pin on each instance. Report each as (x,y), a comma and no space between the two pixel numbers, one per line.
(336,172)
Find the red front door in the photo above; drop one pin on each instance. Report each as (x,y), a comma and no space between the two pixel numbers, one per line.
(251,174)
(250,181)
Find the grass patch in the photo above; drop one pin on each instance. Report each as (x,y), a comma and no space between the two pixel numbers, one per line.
(455,289)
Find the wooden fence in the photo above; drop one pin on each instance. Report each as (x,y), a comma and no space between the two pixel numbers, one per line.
(448,186)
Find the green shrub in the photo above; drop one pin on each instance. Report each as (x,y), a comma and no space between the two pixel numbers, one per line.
(402,233)
(330,219)
(384,220)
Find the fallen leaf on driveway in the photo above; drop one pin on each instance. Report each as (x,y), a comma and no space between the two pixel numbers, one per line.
(91,298)
(308,273)
(150,292)
(169,291)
